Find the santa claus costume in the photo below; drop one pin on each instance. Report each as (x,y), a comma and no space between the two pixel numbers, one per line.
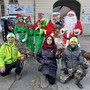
(71,27)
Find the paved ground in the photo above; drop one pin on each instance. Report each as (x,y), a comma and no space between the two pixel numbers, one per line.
(31,77)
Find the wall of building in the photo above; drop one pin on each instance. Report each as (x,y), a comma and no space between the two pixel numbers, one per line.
(85,16)
(46,7)
(25,1)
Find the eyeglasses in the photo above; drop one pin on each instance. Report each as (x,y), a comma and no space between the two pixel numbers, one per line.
(49,39)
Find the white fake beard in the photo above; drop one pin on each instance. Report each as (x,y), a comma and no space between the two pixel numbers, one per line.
(70,23)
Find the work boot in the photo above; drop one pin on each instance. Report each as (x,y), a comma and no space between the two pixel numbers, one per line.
(79,85)
(18,76)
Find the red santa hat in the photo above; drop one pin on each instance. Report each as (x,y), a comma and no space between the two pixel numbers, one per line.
(28,19)
(19,16)
(71,12)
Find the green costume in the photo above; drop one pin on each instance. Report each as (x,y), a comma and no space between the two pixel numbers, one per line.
(22,31)
(30,39)
(39,37)
(40,33)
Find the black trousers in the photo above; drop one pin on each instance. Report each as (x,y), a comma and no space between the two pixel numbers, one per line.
(50,79)
(17,65)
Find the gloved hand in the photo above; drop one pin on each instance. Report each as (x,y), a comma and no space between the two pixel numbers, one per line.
(77,31)
(85,66)
(37,28)
(62,31)
(65,71)
(52,34)
(24,40)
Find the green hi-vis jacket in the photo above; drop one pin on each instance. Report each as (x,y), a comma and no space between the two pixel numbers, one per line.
(8,54)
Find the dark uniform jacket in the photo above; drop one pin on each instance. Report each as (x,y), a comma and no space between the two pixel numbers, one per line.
(48,62)
(72,58)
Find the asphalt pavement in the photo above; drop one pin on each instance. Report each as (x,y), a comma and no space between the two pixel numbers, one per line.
(31,78)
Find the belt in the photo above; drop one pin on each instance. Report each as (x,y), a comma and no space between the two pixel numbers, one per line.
(39,35)
(21,32)
(30,34)
(68,38)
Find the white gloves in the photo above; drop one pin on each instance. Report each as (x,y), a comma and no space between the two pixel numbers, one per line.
(63,30)
(52,34)
(37,28)
(77,32)
(24,40)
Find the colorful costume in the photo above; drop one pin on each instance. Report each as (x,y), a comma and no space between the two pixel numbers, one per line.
(44,27)
(39,37)
(30,39)
(49,28)
(21,30)
(71,27)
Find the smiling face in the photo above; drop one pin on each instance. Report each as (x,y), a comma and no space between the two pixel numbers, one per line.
(49,40)
(73,43)
(10,39)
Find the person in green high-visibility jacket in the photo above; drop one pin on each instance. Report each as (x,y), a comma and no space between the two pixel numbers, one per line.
(9,57)
(20,29)
(30,40)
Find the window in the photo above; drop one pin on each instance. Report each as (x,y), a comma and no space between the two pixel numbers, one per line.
(2,10)
(13,1)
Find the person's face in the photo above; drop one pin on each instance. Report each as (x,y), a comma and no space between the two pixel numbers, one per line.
(21,20)
(71,15)
(73,43)
(10,39)
(29,23)
(49,40)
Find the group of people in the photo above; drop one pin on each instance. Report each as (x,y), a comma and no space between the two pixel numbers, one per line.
(24,32)
(32,35)
(72,61)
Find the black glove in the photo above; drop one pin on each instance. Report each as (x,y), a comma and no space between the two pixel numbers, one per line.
(85,66)
(65,71)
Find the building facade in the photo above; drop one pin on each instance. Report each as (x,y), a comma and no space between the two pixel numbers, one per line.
(46,7)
